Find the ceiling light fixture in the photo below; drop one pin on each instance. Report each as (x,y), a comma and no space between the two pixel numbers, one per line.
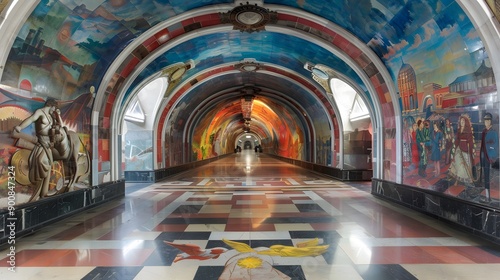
(249,18)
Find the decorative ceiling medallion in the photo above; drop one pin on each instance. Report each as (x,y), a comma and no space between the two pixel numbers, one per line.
(321,74)
(249,18)
(248,66)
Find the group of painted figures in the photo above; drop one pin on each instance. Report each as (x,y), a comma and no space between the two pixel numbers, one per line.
(443,145)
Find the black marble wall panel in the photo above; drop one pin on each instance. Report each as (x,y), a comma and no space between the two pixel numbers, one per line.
(157,175)
(32,216)
(339,174)
(480,220)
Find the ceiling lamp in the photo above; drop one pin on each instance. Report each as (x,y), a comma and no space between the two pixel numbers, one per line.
(321,74)
(247,66)
(249,18)
(246,106)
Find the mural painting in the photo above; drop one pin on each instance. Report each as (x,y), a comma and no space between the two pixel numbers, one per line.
(450,134)
(446,89)
(48,156)
(245,262)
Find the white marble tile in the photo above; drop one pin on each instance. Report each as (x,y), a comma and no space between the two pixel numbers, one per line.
(292,227)
(205,227)
(330,272)
(215,208)
(175,272)
(249,213)
(43,273)
(454,271)
(283,208)
(249,202)
(142,235)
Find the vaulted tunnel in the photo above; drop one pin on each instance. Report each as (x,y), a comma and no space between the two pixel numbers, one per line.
(266,68)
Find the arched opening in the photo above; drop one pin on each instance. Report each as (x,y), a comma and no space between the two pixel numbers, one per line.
(356,124)
(137,127)
(248,141)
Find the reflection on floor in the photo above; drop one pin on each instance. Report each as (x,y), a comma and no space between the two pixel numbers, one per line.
(445,184)
(249,216)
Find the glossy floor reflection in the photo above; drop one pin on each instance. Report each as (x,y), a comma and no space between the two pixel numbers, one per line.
(249,216)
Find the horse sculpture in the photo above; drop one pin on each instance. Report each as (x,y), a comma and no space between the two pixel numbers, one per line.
(53,146)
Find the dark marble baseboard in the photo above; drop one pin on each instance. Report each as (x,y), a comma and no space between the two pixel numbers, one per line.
(152,176)
(478,219)
(32,216)
(339,174)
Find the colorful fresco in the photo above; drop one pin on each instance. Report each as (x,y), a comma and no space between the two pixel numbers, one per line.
(208,140)
(292,55)
(445,78)
(292,146)
(40,144)
(65,47)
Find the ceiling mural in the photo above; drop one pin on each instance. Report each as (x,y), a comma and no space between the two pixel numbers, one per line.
(439,49)
(64,48)
(265,47)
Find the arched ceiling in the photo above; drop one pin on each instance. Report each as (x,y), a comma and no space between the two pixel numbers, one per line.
(65,46)
(91,34)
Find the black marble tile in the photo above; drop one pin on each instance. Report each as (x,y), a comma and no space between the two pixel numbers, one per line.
(298,219)
(195,235)
(169,236)
(220,243)
(406,195)
(475,217)
(113,273)
(309,208)
(208,272)
(293,271)
(418,200)
(329,237)
(190,235)
(187,209)
(433,204)
(214,272)
(187,220)
(251,243)
(164,255)
(492,249)
(450,209)
(384,272)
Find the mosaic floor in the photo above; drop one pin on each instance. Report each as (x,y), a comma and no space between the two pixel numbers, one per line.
(249,216)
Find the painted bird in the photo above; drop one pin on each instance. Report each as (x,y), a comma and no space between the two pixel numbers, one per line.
(192,251)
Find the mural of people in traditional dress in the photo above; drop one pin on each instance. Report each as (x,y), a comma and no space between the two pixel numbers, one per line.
(463,157)
(449,135)
(423,140)
(436,142)
(488,154)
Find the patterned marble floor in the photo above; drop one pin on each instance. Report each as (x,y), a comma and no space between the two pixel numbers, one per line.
(249,216)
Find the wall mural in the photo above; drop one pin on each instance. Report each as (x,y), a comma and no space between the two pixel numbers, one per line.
(450,139)
(39,141)
(64,47)
(207,139)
